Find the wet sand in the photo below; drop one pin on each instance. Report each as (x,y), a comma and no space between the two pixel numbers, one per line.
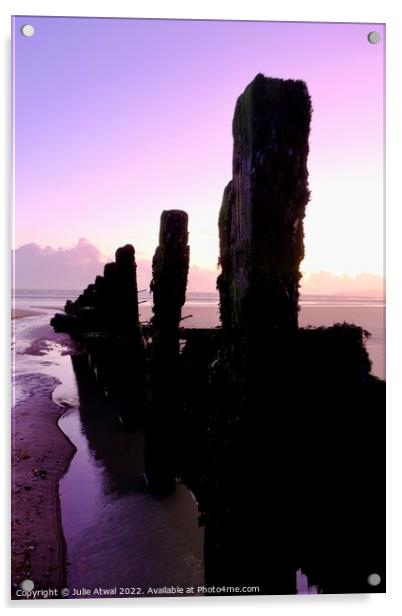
(41,454)
(21,313)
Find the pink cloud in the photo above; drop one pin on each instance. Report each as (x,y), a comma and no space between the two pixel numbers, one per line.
(202,280)
(325,283)
(56,268)
(76,266)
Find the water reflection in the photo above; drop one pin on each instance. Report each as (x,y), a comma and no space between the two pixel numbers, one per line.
(117,533)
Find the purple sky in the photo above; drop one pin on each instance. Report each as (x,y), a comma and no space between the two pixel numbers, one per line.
(118,119)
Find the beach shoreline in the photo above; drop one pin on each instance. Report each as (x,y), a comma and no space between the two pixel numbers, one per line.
(41,454)
(22,313)
(39,444)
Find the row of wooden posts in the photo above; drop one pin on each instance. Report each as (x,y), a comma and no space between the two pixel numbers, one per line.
(274,428)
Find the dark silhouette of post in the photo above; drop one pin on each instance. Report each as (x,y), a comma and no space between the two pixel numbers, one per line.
(127,291)
(109,275)
(261,218)
(169,281)
(261,247)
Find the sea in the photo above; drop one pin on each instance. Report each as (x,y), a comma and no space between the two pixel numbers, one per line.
(202,310)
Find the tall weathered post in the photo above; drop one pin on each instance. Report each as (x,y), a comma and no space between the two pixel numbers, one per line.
(109,275)
(261,218)
(261,246)
(169,282)
(127,290)
(129,367)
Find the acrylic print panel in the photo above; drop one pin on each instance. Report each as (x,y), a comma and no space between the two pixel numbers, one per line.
(198,308)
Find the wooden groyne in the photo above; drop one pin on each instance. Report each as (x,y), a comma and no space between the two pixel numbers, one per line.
(277,430)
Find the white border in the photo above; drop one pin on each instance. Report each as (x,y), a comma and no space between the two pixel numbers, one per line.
(387,11)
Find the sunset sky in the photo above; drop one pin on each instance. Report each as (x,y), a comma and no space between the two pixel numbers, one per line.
(116,120)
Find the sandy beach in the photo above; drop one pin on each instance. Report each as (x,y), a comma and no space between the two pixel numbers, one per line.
(40,455)
(21,313)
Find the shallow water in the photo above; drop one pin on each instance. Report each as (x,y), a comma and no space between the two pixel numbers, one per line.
(35,350)
(117,534)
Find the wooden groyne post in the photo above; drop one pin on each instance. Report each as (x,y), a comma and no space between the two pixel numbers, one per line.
(169,282)
(262,212)
(261,247)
